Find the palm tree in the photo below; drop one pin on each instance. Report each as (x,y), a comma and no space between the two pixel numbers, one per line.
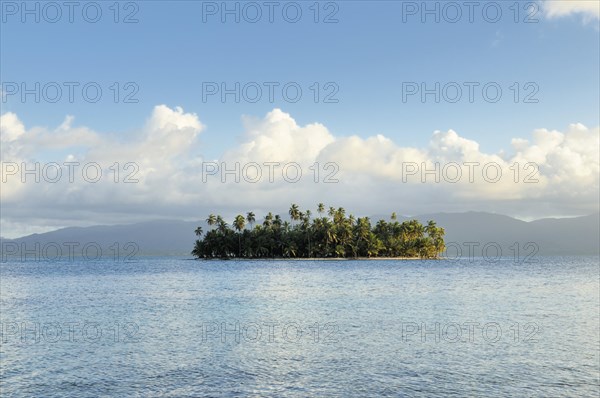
(198,231)
(198,249)
(286,226)
(289,250)
(239,223)
(251,218)
(268,220)
(394,216)
(211,220)
(436,237)
(294,212)
(306,226)
(320,208)
(374,245)
(221,225)
(362,230)
(330,235)
(331,211)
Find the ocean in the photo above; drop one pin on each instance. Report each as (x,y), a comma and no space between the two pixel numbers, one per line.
(176,327)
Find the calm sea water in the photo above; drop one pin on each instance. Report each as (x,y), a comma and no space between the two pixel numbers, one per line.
(174,327)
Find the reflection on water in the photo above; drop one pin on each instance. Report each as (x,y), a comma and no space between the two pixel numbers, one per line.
(171,327)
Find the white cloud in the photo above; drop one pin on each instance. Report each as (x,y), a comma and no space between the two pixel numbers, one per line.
(11,128)
(375,174)
(589,9)
(277,137)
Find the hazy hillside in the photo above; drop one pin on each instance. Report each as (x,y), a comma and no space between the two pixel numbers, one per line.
(152,237)
(580,235)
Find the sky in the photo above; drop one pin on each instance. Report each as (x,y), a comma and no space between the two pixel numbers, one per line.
(361,97)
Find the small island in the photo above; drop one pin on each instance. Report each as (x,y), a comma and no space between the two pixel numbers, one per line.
(327,236)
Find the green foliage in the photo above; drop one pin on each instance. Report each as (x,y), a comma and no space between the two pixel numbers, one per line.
(330,236)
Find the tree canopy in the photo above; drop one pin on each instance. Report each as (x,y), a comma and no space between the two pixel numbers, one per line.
(328,236)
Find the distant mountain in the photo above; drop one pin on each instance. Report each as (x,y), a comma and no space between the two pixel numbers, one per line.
(148,238)
(553,236)
(560,236)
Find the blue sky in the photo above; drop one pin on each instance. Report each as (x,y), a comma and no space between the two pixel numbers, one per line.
(170,52)
(365,61)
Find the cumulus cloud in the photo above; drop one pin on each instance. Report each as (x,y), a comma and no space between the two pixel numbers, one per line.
(277,138)
(588,9)
(159,172)
(11,127)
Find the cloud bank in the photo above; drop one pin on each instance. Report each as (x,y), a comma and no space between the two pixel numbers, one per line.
(87,177)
